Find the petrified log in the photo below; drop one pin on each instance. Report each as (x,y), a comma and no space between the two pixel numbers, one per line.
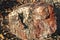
(32,21)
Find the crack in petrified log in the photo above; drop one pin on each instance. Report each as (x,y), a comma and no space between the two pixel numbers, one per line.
(37,17)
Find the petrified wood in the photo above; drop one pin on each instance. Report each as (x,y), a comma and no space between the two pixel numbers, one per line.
(32,21)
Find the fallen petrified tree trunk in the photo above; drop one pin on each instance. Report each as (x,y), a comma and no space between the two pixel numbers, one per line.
(32,21)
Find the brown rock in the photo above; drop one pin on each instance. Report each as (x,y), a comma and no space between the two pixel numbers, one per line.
(35,21)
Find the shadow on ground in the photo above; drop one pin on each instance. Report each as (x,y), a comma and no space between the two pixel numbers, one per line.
(57,11)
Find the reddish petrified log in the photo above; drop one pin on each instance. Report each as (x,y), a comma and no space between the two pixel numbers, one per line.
(32,21)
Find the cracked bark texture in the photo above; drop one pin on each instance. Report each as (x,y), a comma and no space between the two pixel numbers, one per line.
(32,21)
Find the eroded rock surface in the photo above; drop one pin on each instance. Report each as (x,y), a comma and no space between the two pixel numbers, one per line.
(32,21)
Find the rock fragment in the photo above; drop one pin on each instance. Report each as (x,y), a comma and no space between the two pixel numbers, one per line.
(39,19)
